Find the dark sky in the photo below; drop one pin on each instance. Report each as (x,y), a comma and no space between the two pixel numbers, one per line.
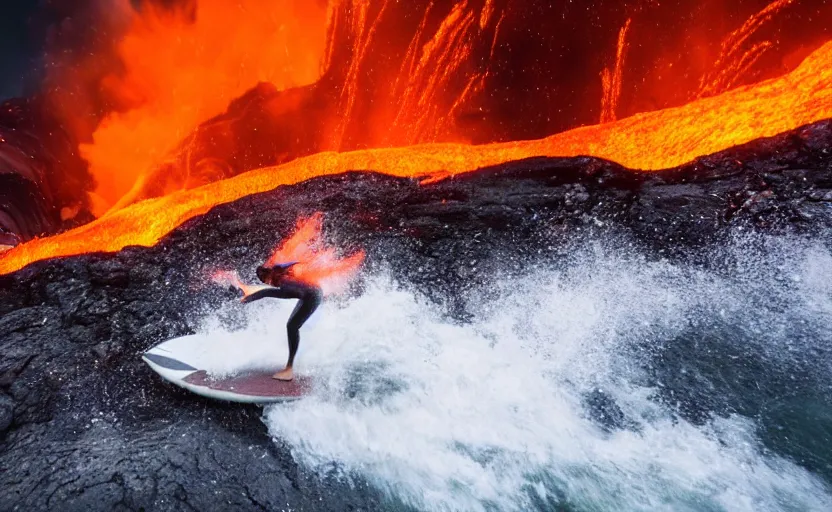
(19,43)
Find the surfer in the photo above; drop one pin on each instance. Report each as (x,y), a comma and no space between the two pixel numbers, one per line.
(283,285)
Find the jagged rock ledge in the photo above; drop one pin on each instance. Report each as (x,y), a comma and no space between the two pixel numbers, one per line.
(85,425)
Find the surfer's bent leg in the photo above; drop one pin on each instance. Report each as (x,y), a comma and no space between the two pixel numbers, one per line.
(306,306)
(309,298)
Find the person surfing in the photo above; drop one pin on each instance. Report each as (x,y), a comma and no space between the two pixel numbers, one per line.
(283,286)
(301,268)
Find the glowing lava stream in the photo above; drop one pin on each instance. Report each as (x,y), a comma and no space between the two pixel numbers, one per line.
(650,141)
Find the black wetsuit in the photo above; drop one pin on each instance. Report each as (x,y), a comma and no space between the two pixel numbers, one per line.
(309,298)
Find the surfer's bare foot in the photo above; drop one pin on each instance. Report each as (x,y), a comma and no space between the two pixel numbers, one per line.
(284,374)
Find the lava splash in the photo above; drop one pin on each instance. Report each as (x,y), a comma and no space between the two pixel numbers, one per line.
(315,262)
(312,261)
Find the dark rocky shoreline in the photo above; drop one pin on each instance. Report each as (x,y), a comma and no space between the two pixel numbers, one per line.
(86,425)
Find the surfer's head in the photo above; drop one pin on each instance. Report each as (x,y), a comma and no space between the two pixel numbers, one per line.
(270,275)
(263,273)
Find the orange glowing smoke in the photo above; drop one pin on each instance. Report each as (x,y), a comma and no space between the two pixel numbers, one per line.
(611,79)
(732,63)
(653,140)
(315,263)
(184,66)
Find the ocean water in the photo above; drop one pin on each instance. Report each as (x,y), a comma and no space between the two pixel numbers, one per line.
(604,381)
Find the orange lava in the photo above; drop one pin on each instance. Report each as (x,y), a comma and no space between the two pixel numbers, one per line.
(649,141)
(436,77)
(144,148)
(184,66)
(733,62)
(611,79)
(441,57)
(364,33)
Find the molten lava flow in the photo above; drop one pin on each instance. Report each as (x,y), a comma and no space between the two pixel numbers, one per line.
(314,262)
(364,34)
(485,14)
(441,57)
(435,79)
(732,64)
(649,141)
(611,79)
(428,101)
(184,66)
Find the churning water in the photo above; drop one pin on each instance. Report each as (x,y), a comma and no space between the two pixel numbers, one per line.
(608,382)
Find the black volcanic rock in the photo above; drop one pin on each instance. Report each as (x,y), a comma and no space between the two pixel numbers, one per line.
(85,424)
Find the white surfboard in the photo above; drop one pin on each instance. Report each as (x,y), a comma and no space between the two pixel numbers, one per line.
(182,361)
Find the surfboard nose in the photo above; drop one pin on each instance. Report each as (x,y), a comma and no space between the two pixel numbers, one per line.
(256,386)
(166,362)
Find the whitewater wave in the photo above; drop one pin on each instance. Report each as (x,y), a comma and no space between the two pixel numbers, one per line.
(606,382)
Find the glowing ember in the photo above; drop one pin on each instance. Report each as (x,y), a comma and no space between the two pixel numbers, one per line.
(315,262)
(649,141)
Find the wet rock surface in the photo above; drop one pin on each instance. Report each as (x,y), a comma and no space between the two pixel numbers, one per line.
(86,425)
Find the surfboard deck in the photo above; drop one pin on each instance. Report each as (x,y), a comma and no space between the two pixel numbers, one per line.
(254,384)
(177,361)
